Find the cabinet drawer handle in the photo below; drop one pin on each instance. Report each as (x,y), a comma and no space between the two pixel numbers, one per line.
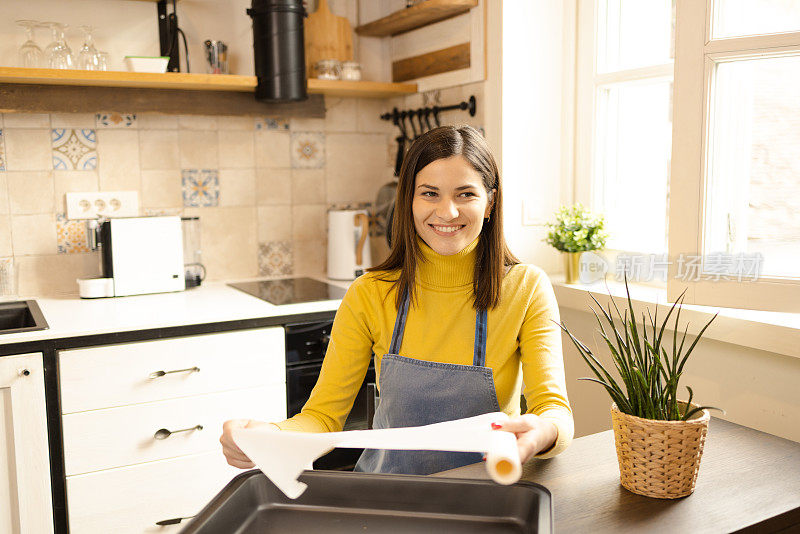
(174,521)
(159,374)
(163,433)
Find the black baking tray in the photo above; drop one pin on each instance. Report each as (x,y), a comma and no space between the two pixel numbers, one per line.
(342,501)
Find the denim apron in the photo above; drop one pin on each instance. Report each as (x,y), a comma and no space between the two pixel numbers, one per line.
(418,392)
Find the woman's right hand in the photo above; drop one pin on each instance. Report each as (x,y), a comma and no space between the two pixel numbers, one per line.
(234,454)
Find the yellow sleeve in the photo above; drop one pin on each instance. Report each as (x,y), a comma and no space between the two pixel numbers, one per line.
(544,384)
(343,369)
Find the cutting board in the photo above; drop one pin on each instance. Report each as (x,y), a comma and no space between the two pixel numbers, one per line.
(327,37)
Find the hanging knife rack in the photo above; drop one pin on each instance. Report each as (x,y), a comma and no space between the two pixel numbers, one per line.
(399,117)
(423,116)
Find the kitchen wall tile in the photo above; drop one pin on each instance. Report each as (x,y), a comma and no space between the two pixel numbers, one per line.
(156,121)
(164,212)
(55,274)
(356,166)
(28,150)
(310,257)
(3,194)
(200,187)
(233,122)
(302,124)
(236,149)
(273,187)
(74,149)
(162,189)
(113,119)
(199,149)
(237,187)
(34,234)
(30,192)
(308,150)
(26,120)
(72,120)
(197,122)
(275,258)
(2,152)
(119,160)
(158,150)
(309,222)
(5,237)
(230,249)
(272,149)
(368,115)
(340,114)
(71,235)
(274,223)
(308,186)
(270,123)
(73,182)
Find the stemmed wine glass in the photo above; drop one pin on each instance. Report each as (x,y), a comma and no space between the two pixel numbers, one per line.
(30,55)
(58,53)
(88,57)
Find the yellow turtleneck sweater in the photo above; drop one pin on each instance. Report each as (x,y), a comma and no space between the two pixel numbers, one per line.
(523,343)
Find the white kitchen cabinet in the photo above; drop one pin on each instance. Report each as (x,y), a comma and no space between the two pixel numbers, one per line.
(114,398)
(25,501)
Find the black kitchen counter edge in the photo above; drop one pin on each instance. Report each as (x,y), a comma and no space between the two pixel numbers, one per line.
(49,348)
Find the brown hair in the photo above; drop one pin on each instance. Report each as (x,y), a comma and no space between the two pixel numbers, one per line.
(493,255)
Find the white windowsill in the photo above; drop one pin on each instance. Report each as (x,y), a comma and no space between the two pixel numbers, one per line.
(769,331)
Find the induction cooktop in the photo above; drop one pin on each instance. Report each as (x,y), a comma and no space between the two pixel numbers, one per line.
(290,290)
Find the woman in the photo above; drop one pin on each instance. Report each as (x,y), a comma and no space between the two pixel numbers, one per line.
(457,319)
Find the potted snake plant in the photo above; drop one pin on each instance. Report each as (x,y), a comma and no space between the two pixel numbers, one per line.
(659,438)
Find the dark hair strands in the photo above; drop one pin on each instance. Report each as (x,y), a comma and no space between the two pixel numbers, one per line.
(492,255)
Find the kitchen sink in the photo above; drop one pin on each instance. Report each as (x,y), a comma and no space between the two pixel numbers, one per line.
(21,316)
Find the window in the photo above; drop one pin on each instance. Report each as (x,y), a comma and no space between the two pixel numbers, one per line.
(624,129)
(735,186)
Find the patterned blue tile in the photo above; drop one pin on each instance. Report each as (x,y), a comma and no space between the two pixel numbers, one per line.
(200,187)
(308,150)
(116,120)
(74,149)
(269,123)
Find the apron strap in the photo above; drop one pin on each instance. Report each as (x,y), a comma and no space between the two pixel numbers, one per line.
(399,327)
(479,350)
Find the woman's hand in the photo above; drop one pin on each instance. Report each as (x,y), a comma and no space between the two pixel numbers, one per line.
(534,434)
(234,454)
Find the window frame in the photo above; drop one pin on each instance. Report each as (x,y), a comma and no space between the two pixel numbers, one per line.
(587,188)
(695,58)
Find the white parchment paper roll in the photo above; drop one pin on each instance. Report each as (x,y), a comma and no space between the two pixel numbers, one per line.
(283,455)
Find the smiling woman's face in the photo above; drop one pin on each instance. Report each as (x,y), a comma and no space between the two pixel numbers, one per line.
(450,203)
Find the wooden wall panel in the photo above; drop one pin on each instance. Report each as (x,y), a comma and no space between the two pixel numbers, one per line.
(445,60)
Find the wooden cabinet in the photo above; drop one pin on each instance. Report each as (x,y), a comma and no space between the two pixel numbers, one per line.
(25,502)
(120,477)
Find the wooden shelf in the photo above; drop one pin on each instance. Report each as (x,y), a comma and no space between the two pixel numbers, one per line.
(414,17)
(193,82)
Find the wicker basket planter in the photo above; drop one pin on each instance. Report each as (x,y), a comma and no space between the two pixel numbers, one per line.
(659,458)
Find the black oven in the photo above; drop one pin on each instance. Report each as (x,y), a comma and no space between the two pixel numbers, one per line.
(306,344)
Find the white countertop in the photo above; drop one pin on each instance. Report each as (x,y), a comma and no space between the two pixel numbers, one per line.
(212,302)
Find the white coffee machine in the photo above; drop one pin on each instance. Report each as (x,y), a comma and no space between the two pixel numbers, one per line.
(139,255)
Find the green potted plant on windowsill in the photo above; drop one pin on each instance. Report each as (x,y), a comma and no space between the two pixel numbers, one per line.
(576,231)
(659,438)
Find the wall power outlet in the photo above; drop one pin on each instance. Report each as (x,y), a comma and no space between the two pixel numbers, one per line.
(102,204)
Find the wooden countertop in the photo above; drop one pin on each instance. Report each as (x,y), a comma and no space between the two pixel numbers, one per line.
(748,481)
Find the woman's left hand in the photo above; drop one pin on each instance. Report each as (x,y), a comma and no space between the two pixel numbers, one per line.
(534,434)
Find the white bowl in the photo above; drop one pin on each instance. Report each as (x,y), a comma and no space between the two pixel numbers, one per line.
(146,63)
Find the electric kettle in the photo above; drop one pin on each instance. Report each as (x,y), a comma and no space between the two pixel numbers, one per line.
(348,244)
